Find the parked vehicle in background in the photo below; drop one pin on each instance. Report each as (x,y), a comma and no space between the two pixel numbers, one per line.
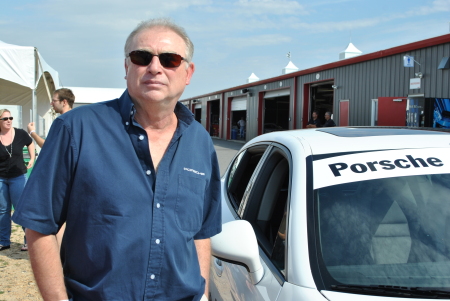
(336,214)
(272,127)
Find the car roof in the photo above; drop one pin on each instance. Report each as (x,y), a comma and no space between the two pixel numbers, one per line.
(354,139)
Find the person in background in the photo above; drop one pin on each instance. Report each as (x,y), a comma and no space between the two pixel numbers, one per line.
(314,122)
(139,198)
(62,102)
(12,173)
(328,121)
(241,123)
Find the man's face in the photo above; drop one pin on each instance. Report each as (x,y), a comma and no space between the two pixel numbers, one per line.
(154,83)
(327,117)
(56,104)
(314,115)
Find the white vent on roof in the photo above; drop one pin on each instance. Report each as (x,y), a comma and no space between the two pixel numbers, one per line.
(252,78)
(289,68)
(351,51)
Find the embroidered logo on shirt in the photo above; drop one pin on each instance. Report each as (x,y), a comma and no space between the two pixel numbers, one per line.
(194,171)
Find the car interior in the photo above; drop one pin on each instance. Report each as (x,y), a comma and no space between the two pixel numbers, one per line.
(384,221)
(263,200)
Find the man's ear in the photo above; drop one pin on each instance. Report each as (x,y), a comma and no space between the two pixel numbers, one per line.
(126,67)
(190,71)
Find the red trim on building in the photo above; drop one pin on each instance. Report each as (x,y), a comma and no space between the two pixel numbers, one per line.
(305,105)
(208,117)
(228,121)
(260,112)
(294,118)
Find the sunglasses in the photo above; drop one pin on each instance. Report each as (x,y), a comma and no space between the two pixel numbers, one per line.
(6,118)
(167,60)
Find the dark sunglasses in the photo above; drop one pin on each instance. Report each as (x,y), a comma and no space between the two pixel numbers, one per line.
(6,118)
(167,60)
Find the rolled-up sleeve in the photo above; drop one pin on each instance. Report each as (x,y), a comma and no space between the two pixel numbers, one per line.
(212,215)
(43,203)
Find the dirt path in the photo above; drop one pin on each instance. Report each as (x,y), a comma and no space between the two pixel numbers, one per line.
(16,278)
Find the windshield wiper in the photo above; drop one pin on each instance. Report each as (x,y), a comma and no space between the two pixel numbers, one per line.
(395,291)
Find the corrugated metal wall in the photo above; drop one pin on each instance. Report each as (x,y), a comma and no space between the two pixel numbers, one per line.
(253,105)
(359,83)
(362,82)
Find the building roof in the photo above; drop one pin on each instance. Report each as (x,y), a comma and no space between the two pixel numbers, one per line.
(340,63)
(87,95)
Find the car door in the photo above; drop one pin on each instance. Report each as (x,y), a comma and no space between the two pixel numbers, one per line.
(257,186)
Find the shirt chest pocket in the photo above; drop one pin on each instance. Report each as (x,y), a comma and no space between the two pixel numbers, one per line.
(189,206)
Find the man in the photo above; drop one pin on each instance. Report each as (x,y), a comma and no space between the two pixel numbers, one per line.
(139,201)
(328,121)
(314,122)
(241,124)
(62,102)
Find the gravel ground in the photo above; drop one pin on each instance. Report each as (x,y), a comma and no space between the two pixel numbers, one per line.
(16,278)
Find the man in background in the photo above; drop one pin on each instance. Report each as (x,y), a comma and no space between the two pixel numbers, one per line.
(314,122)
(62,102)
(328,121)
(241,123)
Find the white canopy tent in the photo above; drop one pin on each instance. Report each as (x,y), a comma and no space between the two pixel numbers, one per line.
(87,95)
(27,80)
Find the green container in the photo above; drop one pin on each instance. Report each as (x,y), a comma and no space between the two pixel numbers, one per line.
(26,159)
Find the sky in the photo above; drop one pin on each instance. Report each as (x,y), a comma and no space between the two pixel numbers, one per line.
(83,39)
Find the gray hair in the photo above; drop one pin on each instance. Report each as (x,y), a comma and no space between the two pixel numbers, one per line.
(165,23)
(328,113)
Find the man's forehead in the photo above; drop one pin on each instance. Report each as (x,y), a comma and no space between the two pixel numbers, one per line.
(166,35)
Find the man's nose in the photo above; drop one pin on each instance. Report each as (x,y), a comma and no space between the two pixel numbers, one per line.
(155,65)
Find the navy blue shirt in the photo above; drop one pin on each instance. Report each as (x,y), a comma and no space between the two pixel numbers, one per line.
(129,231)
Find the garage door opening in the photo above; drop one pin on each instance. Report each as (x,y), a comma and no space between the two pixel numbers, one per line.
(321,99)
(276,111)
(276,114)
(198,112)
(238,112)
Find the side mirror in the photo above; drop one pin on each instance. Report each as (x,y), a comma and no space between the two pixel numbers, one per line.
(237,244)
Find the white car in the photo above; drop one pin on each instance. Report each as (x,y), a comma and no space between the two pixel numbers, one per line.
(336,214)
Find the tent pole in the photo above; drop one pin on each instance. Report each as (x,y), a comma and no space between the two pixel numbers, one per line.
(34,103)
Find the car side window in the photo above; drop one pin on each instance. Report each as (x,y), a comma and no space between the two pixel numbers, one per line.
(267,206)
(241,171)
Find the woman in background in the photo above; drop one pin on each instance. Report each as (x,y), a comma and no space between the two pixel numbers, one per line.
(12,173)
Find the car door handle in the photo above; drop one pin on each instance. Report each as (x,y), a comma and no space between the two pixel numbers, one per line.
(218,266)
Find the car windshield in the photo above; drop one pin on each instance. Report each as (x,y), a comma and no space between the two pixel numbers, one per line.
(387,231)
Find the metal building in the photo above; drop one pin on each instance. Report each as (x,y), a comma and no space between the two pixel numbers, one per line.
(404,85)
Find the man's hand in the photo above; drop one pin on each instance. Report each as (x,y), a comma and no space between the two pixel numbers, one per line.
(31,127)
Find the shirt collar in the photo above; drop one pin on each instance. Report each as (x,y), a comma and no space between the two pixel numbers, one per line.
(127,111)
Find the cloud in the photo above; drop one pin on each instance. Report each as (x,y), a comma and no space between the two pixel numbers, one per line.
(438,6)
(257,40)
(269,7)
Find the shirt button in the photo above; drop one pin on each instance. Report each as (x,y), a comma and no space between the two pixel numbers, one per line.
(158,205)
(152,276)
(148,172)
(141,137)
(157,241)
(127,123)
(131,113)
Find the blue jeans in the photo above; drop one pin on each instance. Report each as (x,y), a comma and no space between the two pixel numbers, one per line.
(242,130)
(10,192)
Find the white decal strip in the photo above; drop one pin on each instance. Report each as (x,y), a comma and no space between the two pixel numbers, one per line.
(381,164)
